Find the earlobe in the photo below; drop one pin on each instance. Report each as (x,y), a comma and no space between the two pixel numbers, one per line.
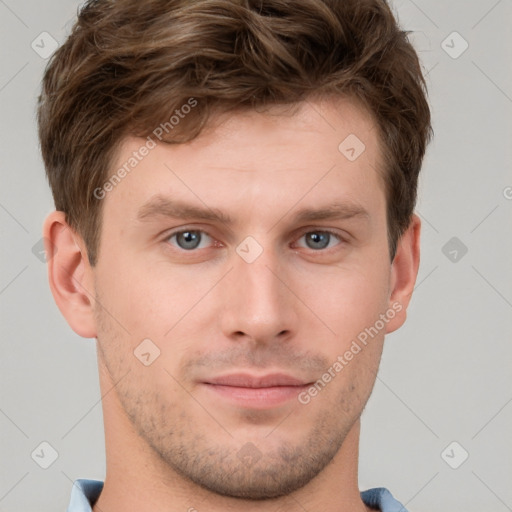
(69,274)
(404,270)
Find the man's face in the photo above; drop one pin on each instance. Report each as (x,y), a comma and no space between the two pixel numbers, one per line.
(252,258)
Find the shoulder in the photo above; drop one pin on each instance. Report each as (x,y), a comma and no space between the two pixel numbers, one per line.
(381,499)
(84,494)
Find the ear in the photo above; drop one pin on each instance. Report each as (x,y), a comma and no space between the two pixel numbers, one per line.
(69,274)
(404,270)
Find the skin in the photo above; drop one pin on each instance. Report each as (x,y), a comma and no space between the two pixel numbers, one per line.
(173,442)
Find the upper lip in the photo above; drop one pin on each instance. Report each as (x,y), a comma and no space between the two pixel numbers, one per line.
(244,380)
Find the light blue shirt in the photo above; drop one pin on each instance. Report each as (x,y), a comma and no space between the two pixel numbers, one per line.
(86,492)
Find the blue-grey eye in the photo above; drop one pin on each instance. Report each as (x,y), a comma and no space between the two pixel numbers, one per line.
(318,240)
(189,239)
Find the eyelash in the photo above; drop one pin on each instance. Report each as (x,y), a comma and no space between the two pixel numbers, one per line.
(336,235)
(330,232)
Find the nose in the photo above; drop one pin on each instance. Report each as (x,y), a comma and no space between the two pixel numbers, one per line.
(258,305)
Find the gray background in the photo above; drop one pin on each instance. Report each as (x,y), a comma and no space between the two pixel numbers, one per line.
(445,376)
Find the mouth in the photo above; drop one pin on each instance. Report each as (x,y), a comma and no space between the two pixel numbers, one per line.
(256,392)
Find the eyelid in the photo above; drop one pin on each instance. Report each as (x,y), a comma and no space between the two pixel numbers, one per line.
(312,229)
(315,229)
(183,229)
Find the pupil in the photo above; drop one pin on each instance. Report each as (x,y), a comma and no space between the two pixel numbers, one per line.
(188,239)
(318,240)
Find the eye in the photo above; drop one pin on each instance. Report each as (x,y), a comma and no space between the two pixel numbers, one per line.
(318,240)
(190,239)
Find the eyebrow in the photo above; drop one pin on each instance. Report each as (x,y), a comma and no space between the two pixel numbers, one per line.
(336,211)
(162,206)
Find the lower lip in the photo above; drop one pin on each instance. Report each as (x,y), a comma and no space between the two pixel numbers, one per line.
(257,398)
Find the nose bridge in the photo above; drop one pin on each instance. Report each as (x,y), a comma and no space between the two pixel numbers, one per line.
(257,303)
(260,287)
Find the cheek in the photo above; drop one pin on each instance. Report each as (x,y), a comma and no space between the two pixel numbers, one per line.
(348,301)
(147,298)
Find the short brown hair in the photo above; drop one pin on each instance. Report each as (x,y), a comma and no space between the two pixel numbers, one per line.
(129,64)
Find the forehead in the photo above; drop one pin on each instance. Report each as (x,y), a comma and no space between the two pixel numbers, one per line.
(280,156)
(332,124)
